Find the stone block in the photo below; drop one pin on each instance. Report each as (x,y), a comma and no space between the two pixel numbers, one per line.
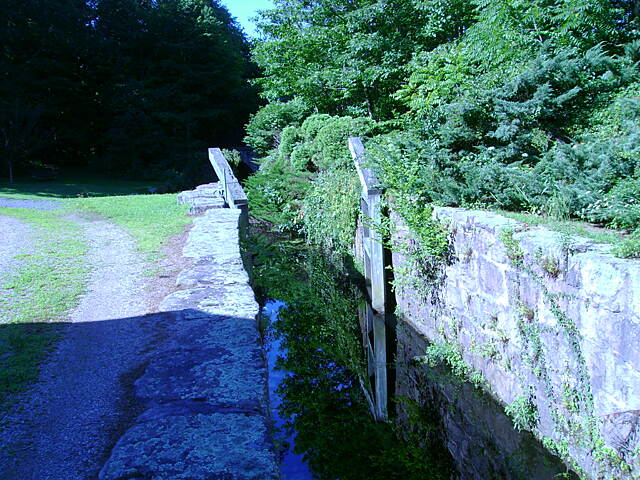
(194,441)
(491,277)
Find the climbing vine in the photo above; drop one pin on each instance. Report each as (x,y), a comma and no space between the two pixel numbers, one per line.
(572,409)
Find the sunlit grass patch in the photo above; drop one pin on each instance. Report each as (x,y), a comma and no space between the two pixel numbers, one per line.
(150,219)
(569,227)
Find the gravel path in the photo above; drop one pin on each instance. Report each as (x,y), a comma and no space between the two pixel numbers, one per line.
(31,204)
(15,240)
(69,421)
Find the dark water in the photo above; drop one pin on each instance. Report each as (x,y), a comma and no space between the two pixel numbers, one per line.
(439,428)
(293,465)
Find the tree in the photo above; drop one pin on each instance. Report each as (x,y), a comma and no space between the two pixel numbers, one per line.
(138,86)
(347,57)
(21,134)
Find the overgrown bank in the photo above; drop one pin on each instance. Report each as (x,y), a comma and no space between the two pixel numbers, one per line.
(524,107)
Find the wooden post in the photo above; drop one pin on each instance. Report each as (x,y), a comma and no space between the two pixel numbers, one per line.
(373,259)
(233,192)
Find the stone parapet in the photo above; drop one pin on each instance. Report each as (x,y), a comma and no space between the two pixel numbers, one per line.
(204,396)
(551,321)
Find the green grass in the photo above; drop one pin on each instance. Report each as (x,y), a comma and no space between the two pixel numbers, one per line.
(72,186)
(624,245)
(569,227)
(43,289)
(149,219)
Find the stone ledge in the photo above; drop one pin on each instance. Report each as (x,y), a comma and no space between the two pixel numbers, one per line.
(193,441)
(204,387)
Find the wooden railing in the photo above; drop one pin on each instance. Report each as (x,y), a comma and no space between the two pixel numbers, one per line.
(234,195)
(374,312)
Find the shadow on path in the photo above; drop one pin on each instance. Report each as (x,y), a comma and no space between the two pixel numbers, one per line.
(168,395)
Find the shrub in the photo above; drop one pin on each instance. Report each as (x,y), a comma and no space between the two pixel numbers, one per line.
(308,183)
(629,247)
(275,197)
(265,127)
(523,412)
(331,209)
(511,146)
(619,208)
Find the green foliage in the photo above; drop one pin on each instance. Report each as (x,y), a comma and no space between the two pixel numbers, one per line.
(131,87)
(550,265)
(265,128)
(512,247)
(446,353)
(348,57)
(232,156)
(308,184)
(407,183)
(21,134)
(275,197)
(331,210)
(619,208)
(629,247)
(523,412)
(520,106)
(510,146)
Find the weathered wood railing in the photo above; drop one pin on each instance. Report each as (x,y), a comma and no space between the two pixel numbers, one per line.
(372,253)
(234,195)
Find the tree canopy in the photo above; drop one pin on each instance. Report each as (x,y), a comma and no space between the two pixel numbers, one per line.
(134,86)
(510,104)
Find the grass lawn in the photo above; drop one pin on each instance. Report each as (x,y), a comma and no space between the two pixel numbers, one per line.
(44,289)
(150,219)
(71,186)
(47,285)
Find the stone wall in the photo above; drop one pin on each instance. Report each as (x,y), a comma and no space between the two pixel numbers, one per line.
(551,321)
(202,394)
(475,429)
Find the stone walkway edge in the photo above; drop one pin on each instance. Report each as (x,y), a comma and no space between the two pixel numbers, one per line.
(204,389)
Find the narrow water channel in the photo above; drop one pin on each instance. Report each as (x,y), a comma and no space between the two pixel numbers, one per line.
(293,465)
(439,428)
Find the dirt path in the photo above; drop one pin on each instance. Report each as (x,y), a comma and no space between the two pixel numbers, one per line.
(30,204)
(68,422)
(15,240)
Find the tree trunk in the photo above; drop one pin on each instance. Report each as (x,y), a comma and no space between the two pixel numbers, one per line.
(10,163)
